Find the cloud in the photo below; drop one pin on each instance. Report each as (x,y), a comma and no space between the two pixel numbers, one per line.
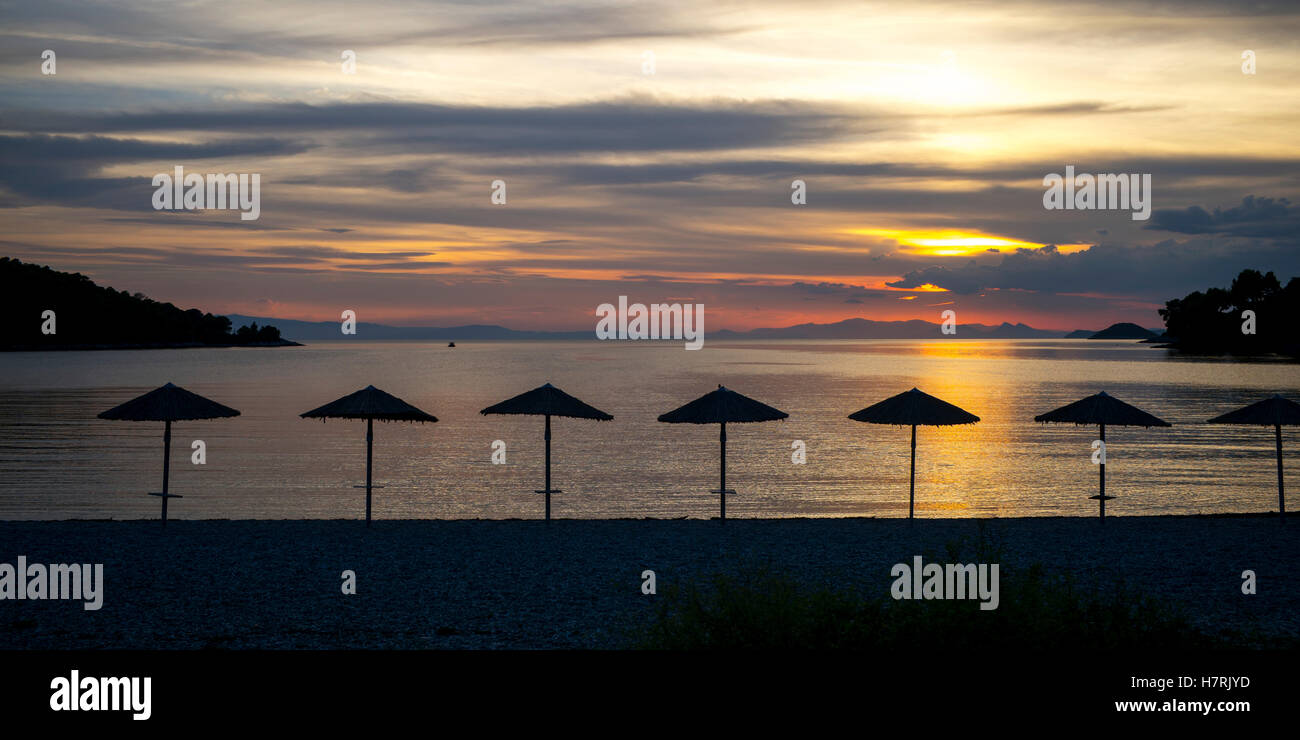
(103,150)
(124,31)
(633,124)
(1156,272)
(61,169)
(970,279)
(193,219)
(1255,217)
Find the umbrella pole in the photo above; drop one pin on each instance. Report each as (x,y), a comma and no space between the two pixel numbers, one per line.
(167,455)
(722,482)
(1101,500)
(548,467)
(1281,498)
(370,440)
(911,492)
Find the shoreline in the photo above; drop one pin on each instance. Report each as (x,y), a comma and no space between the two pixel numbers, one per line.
(144,345)
(1110,517)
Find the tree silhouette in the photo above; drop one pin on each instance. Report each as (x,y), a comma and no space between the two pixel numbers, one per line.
(87,314)
(1213,323)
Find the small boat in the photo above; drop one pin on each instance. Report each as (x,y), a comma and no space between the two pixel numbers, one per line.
(451,344)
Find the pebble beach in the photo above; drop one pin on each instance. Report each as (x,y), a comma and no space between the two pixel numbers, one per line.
(515,584)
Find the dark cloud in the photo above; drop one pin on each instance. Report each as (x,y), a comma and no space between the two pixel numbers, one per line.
(192,219)
(843,292)
(393,179)
(336,253)
(1155,272)
(630,125)
(287,259)
(971,278)
(41,168)
(1257,217)
(1061,109)
(94,150)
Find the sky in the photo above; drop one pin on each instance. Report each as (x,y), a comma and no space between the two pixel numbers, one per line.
(648,149)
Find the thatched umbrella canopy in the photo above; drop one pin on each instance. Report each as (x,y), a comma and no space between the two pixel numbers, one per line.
(167,404)
(547,401)
(914,408)
(370,403)
(719,407)
(1275,412)
(1102,410)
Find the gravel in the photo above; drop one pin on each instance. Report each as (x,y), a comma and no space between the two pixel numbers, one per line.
(577,583)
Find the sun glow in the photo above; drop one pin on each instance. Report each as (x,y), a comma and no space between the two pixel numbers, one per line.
(956,243)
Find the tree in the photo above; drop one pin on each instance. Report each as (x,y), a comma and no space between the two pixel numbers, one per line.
(1214,322)
(87,314)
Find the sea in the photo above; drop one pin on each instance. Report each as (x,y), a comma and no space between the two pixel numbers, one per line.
(59,461)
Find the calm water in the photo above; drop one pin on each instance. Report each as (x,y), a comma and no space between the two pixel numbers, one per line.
(58,461)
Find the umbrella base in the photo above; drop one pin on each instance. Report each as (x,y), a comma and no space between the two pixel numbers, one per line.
(1101,498)
(164,496)
(722,502)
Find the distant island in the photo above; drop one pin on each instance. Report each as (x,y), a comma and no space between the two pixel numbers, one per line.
(52,310)
(1124,330)
(910,329)
(1253,317)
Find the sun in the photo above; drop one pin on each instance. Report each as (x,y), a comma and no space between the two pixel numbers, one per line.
(955,243)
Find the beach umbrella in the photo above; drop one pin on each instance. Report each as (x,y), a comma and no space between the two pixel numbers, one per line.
(167,404)
(1102,410)
(1276,412)
(914,408)
(369,403)
(719,407)
(547,401)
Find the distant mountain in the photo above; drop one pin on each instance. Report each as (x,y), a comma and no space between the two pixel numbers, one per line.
(847,329)
(912,329)
(48,309)
(1080,334)
(1124,330)
(326,330)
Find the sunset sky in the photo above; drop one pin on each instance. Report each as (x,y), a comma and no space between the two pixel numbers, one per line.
(923,132)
